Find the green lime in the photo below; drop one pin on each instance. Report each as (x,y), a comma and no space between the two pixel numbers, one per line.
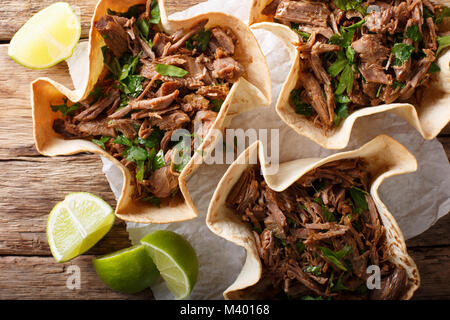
(175,259)
(129,270)
(76,224)
(49,37)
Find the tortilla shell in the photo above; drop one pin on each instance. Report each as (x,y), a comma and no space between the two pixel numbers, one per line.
(252,90)
(385,158)
(429,117)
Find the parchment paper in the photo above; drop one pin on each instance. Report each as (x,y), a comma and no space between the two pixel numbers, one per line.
(417,200)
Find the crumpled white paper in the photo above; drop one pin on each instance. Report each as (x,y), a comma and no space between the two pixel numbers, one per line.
(417,200)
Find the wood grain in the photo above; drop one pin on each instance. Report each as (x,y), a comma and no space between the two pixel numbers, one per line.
(29,189)
(43,278)
(14,14)
(433,264)
(30,185)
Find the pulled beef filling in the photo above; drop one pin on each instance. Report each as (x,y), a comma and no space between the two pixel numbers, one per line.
(154,84)
(360,53)
(317,238)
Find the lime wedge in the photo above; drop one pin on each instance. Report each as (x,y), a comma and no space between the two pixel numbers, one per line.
(76,224)
(48,38)
(175,259)
(129,270)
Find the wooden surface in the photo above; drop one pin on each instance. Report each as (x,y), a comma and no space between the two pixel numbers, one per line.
(30,185)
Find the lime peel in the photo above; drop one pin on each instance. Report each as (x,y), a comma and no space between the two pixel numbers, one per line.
(77,224)
(47,38)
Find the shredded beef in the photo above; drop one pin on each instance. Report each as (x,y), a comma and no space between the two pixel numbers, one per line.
(140,101)
(322,212)
(369,39)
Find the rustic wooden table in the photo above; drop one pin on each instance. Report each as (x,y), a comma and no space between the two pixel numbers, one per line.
(31,184)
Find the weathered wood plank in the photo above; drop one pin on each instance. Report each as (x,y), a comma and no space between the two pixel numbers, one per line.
(15,13)
(437,235)
(43,278)
(434,272)
(29,189)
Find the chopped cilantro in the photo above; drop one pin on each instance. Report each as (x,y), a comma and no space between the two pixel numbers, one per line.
(434,68)
(443,43)
(315,270)
(300,106)
(199,41)
(101,142)
(153,200)
(65,109)
(413,33)
(402,53)
(334,257)
(171,71)
(154,12)
(347,5)
(358,197)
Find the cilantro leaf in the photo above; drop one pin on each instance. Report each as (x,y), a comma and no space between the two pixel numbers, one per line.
(182,155)
(305,35)
(346,80)
(158,160)
(443,42)
(402,53)
(354,26)
(144,28)
(151,141)
(123,140)
(300,106)
(336,67)
(315,270)
(135,154)
(132,85)
(358,197)
(141,170)
(65,109)
(199,41)
(338,286)
(132,11)
(130,66)
(334,257)
(153,200)
(171,71)
(340,113)
(217,104)
(413,33)
(101,142)
(347,5)
(155,13)
(434,68)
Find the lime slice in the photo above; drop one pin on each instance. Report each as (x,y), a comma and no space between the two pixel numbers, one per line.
(48,38)
(76,224)
(129,270)
(175,259)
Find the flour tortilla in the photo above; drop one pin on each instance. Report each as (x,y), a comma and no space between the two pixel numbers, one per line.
(429,117)
(385,158)
(252,90)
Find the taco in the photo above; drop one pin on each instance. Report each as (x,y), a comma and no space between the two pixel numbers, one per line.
(317,229)
(357,58)
(148,78)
